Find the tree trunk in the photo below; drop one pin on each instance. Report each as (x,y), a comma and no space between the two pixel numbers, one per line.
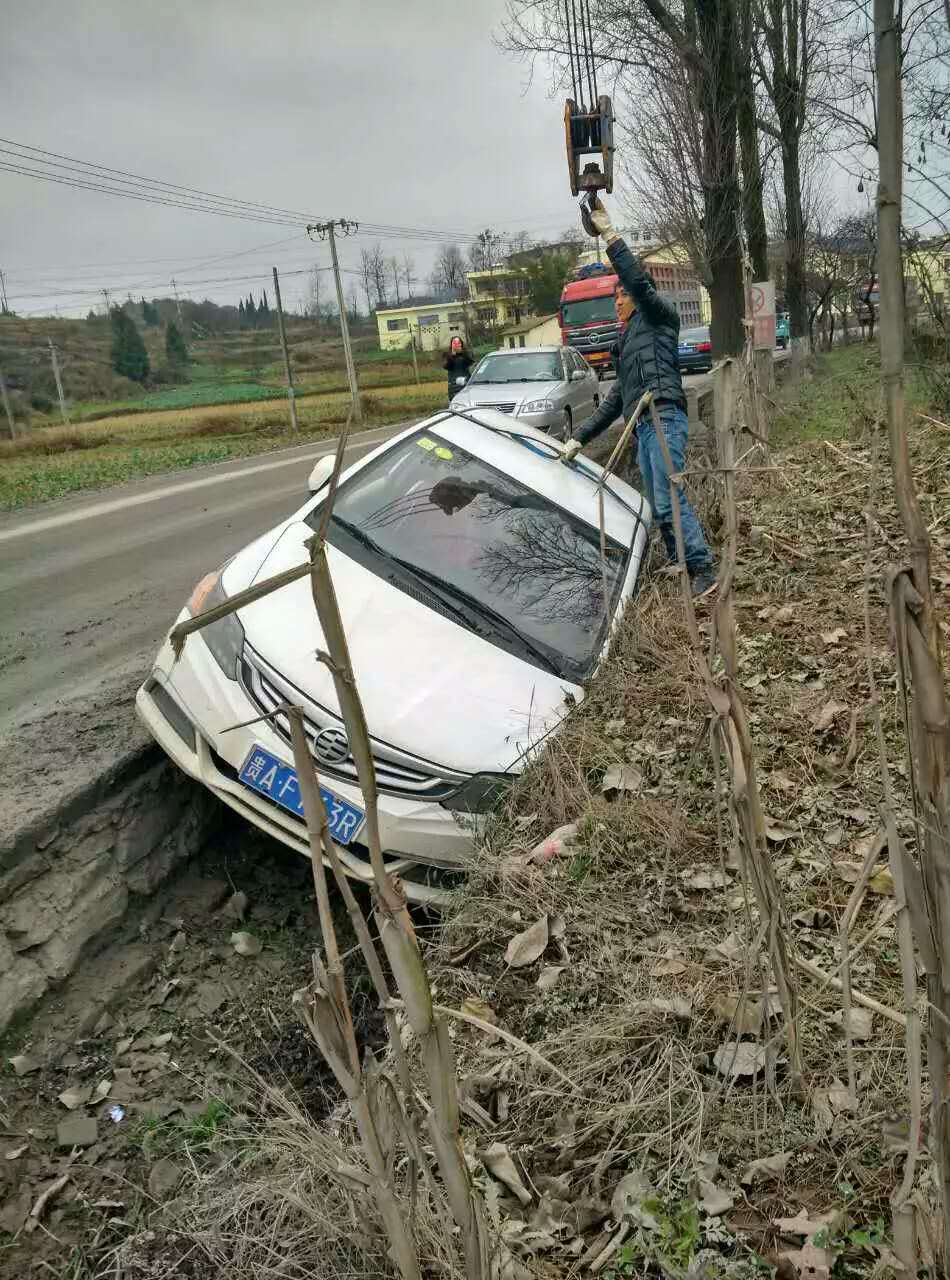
(914,621)
(796,296)
(753,213)
(718,35)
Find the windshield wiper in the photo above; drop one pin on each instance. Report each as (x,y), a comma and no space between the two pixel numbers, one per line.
(420,575)
(440,587)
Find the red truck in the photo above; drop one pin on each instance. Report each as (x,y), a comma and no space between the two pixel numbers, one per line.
(587,317)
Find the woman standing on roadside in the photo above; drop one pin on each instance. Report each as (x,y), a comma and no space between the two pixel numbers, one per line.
(457,364)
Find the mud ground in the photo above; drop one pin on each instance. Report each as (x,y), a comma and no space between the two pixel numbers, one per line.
(149,1053)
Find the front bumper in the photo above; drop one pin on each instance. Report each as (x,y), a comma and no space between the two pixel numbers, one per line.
(416,835)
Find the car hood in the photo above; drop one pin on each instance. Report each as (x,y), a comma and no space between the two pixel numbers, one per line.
(506,392)
(428,686)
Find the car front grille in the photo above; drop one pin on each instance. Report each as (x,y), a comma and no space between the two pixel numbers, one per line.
(593,339)
(502,408)
(397,772)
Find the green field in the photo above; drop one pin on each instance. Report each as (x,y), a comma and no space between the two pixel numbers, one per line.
(52,462)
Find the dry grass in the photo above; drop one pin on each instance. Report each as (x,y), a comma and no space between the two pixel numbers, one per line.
(647,953)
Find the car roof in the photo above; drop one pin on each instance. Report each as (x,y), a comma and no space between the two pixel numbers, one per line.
(524,351)
(508,445)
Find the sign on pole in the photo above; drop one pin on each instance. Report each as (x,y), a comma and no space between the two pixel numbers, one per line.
(763,315)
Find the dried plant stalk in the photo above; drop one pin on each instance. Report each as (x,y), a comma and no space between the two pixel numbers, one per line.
(326,1012)
(399,941)
(729,709)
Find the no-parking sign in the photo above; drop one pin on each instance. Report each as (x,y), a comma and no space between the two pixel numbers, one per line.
(763,315)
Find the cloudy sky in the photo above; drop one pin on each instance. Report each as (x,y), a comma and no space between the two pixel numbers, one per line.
(404,114)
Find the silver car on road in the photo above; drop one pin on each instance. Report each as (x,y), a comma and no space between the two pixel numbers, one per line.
(551,388)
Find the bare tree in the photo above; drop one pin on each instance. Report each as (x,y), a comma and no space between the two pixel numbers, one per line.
(448,273)
(353,304)
(408,272)
(704,35)
(753,212)
(373,270)
(395,270)
(518,242)
(366,278)
(485,250)
(313,303)
(663,145)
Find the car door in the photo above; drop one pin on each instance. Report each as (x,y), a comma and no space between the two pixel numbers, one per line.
(583,389)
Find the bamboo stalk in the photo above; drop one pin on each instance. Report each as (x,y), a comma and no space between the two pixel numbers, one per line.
(399,941)
(318,838)
(730,709)
(328,1017)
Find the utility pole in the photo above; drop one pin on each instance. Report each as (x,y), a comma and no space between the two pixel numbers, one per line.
(6,406)
(108,300)
(325,230)
(283,347)
(4,309)
(412,343)
(59,381)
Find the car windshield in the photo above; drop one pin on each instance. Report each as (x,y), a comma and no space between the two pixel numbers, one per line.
(587,310)
(482,548)
(535,366)
(694,335)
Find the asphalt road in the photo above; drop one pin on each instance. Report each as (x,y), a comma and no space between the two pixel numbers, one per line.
(88,585)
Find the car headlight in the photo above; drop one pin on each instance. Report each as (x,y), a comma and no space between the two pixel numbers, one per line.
(480,794)
(224,638)
(537,406)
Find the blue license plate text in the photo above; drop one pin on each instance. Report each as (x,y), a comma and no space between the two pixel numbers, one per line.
(263,772)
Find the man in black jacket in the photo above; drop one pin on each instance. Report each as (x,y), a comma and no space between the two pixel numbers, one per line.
(648,360)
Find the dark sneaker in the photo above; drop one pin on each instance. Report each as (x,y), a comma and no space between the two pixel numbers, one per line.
(704,583)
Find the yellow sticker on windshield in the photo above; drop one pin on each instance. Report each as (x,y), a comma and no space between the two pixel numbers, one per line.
(431,446)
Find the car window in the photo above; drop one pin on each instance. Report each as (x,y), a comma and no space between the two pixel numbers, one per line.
(529,574)
(519,366)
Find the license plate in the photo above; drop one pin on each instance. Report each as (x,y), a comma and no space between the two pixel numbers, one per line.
(687,350)
(263,772)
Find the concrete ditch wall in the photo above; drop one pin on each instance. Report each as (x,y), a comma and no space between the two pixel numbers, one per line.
(67,879)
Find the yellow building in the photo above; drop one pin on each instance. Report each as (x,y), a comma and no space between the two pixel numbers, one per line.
(499,295)
(928,267)
(432,324)
(536,331)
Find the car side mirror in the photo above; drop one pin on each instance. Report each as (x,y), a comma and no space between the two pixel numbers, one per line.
(460,382)
(578,375)
(321,473)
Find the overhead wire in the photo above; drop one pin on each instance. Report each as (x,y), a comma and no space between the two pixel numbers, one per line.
(570,49)
(585,9)
(137,179)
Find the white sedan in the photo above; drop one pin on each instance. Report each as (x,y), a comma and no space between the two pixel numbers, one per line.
(467,563)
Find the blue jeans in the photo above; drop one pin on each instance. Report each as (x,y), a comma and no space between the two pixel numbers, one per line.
(656,486)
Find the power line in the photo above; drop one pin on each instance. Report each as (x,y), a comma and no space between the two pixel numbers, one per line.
(184,263)
(122,175)
(86,175)
(146,199)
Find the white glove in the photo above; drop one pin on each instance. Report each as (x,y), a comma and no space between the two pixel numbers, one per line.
(601,220)
(570,450)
